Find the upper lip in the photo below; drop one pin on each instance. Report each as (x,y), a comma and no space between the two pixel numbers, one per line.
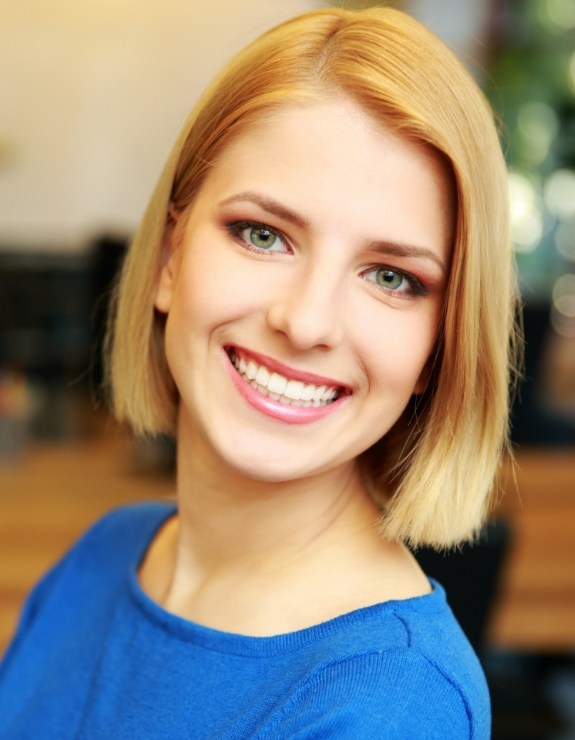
(286,371)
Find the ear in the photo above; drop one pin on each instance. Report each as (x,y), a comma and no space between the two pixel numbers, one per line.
(170,261)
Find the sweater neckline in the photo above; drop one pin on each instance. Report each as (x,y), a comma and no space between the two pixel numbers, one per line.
(240,644)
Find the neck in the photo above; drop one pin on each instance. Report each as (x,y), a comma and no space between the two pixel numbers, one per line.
(228,518)
(260,557)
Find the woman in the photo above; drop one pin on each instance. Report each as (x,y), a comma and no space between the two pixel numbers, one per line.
(318,305)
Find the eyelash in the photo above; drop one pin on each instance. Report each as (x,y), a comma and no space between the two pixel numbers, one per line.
(235,228)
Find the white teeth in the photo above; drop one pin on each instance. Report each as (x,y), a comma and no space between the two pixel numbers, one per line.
(279,388)
(328,395)
(294,390)
(277,384)
(251,370)
(318,393)
(307,393)
(262,376)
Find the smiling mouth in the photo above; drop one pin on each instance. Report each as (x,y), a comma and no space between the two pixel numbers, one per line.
(279,388)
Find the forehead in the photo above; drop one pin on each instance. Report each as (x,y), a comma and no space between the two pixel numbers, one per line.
(338,124)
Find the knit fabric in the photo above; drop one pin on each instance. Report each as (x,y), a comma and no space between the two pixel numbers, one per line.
(94,657)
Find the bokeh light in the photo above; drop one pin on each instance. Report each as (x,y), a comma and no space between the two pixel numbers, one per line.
(565,239)
(564,295)
(563,306)
(538,125)
(561,13)
(526,216)
(559,194)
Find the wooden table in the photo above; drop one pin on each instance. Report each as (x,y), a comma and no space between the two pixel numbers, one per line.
(536,606)
(50,495)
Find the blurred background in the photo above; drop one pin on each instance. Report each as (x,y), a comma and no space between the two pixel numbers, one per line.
(92,95)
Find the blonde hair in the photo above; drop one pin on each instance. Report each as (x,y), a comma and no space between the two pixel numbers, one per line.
(434,472)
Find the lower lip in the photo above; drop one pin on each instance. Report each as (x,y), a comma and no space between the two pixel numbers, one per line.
(280,411)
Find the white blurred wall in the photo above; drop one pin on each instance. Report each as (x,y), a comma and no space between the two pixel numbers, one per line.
(93,92)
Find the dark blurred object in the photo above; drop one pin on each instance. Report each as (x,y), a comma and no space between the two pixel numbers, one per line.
(470,576)
(44,304)
(107,255)
(45,335)
(533,421)
(531,696)
(52,321)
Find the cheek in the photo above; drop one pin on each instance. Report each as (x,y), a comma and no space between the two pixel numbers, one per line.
(208,294)
(231,286)
(198,289)
(398,352)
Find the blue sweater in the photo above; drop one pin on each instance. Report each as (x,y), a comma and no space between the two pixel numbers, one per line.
(94,657)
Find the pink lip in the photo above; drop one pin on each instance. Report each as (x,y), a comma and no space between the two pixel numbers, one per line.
(275,409)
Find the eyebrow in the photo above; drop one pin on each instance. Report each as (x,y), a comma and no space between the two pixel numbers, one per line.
(269,205)
(396,249)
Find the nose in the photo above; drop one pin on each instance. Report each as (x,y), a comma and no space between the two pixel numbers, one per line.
(307,309)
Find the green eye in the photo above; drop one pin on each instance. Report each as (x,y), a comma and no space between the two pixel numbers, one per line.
(389,279)
(261,237)
(395,282)
(258,237)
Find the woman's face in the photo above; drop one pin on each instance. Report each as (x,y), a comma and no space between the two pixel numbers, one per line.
(303,291)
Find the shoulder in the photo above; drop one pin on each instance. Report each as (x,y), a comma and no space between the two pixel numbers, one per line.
(116,542)
(134,524)
(65,621)
(121,536)
(98,561)
(396,694)
(407,672)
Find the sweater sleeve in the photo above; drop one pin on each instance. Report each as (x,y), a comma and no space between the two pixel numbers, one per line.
(30,609)
(396,695)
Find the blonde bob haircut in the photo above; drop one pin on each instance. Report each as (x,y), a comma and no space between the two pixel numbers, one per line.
(433,473)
